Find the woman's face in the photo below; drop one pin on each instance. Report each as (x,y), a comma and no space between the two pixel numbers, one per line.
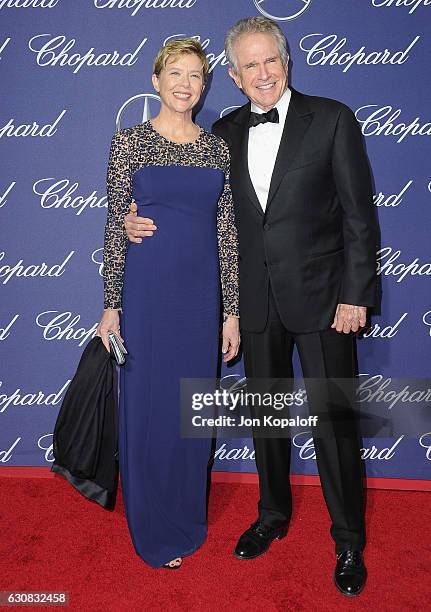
(180,83)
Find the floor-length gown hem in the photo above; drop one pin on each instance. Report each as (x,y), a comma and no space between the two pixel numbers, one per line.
(174,555)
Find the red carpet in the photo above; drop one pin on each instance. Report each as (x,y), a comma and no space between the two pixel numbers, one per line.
(54,539)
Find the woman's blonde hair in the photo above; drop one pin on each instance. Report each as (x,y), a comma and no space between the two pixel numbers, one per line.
(180,46)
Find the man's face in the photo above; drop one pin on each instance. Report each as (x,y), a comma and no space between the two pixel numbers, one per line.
(261,74)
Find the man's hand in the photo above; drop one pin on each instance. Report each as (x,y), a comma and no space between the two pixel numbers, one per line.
(137,227)
(231,338)
(349,318)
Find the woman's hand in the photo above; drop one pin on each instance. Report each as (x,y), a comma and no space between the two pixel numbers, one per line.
(231,338)
(110,322)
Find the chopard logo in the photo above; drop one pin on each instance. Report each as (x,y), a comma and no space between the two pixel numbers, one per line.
(28,3)
(31,129)
(282,10)
(388,267)
(413,4)
(390,392)
(385,331)
(137,5)
(223,453)
(137,107)
(56,51)
(393,200)
(382,122)
(62,326)
(61,194)
(321,50)
(37,398)
(40,269)
(306,448)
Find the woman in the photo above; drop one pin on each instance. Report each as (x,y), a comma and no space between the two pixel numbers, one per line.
(178,174)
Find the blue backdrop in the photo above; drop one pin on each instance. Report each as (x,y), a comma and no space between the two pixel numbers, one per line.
(73,70)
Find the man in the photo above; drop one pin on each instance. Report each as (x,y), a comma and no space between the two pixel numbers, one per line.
(307,242)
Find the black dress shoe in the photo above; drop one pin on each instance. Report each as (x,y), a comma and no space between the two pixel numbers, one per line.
(350,573)
(257,539)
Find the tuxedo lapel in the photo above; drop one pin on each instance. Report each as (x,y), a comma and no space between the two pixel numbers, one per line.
(239,160)
(297,122)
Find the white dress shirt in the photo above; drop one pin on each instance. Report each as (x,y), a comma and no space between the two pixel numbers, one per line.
(263,143)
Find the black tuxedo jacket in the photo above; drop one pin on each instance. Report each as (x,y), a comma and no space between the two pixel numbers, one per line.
(317,240)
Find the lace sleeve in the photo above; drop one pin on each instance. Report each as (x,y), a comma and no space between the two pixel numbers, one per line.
(228,243)
(119,191)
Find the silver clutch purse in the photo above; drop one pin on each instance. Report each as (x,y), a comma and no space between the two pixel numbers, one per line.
(118,350)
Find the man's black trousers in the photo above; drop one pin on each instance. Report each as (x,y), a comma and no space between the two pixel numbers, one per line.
(323,355)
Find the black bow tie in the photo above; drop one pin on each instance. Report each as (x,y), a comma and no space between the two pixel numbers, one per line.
(256,118)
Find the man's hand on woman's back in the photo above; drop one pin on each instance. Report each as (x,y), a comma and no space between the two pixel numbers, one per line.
(138,227)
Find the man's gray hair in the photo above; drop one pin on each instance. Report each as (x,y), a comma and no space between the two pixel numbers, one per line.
(253,25)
